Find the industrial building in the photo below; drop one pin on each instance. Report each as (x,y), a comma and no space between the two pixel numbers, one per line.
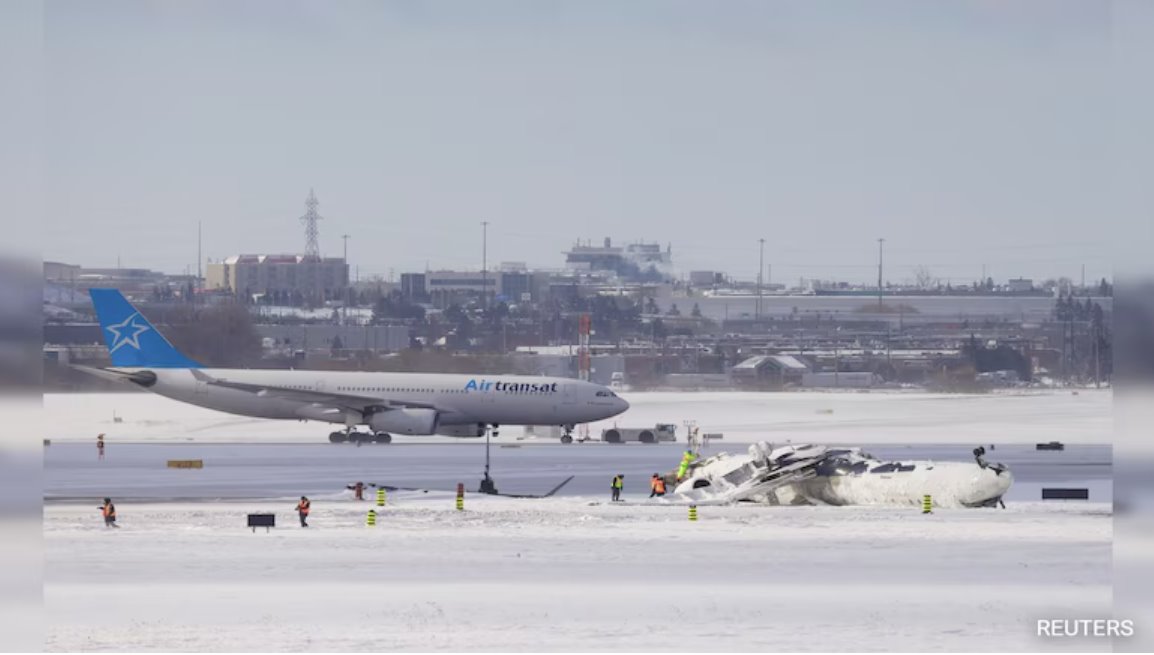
(707,279)
(633,262)
(282,278)
(444,288)
(322,337)
(69,283)
(1020,285)
(769,370)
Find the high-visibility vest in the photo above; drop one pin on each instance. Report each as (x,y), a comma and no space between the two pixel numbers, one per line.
(303,507)
(109,511)
(617,482)
(659,485)
(653,483)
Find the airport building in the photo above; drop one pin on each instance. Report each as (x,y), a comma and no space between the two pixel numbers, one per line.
(69,283)
(1020,285)
(444,288)
(283,277)
(633,262)
(706,278)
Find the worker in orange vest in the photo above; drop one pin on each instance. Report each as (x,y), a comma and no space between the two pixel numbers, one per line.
(108,511)
(358,490)
(303,510)
(658,486)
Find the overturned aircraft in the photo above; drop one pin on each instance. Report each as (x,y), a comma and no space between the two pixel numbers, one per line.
(807,474)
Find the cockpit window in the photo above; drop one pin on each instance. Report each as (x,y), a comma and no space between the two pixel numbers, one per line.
(603,394)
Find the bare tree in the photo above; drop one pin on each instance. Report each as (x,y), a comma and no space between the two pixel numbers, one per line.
(219,335)
(924,278)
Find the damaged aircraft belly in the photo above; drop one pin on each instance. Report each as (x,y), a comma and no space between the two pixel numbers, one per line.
(811,474)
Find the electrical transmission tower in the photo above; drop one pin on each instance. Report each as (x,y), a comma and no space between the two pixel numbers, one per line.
(312,248)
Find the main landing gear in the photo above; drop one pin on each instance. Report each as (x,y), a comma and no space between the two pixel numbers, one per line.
(350,436)
(568,436)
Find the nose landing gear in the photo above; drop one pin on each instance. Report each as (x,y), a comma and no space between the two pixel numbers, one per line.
(488,485)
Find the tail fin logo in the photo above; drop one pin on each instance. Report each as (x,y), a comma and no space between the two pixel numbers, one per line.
(120,333)
(133,342)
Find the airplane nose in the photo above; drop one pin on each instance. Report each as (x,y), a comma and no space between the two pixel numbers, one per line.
(622,403)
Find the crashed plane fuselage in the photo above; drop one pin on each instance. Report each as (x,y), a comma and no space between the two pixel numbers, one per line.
(812,474)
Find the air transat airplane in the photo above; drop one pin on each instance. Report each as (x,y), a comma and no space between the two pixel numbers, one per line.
(387,403)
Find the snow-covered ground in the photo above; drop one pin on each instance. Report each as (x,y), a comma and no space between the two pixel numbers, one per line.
(572,574)
(853,418)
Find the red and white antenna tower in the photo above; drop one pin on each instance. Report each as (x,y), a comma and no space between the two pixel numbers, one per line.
(583,362)
(583,347)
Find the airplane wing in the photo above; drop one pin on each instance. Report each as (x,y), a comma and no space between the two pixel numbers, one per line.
(544,495)
(349,401)
(547,494)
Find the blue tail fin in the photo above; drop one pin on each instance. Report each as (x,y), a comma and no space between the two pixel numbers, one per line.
(132,341)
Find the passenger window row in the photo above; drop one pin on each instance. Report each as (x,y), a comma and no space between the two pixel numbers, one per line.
(401,389)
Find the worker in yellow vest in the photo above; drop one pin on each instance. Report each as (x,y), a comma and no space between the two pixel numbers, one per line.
(618,483)
(686,460)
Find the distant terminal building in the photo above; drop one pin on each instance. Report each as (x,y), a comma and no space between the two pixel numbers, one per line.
(511,284)
(646,254)
(283,278)
(769,370)
(706,278)
(414,287)
(595,258)
(636,261)
(60,272)
(452,282)
(1020,285)
(68,283)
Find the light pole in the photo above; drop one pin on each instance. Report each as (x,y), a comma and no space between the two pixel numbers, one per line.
(881,242)
(345,259)
(485,267)
(760,272)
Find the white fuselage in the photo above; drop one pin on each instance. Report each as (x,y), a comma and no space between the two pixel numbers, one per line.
(807,473)
(458,399)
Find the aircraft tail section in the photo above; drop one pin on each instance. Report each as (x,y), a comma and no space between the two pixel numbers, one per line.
(132,341)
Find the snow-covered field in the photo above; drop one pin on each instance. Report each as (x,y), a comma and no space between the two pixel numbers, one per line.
(572,574)
(878,417)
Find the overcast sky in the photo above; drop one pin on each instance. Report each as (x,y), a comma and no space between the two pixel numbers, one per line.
(965,133)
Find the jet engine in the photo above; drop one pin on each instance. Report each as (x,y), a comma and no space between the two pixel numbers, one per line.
(471,430)
(404,421)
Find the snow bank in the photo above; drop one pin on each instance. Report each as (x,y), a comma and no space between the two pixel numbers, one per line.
(571,574)
(848,418)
